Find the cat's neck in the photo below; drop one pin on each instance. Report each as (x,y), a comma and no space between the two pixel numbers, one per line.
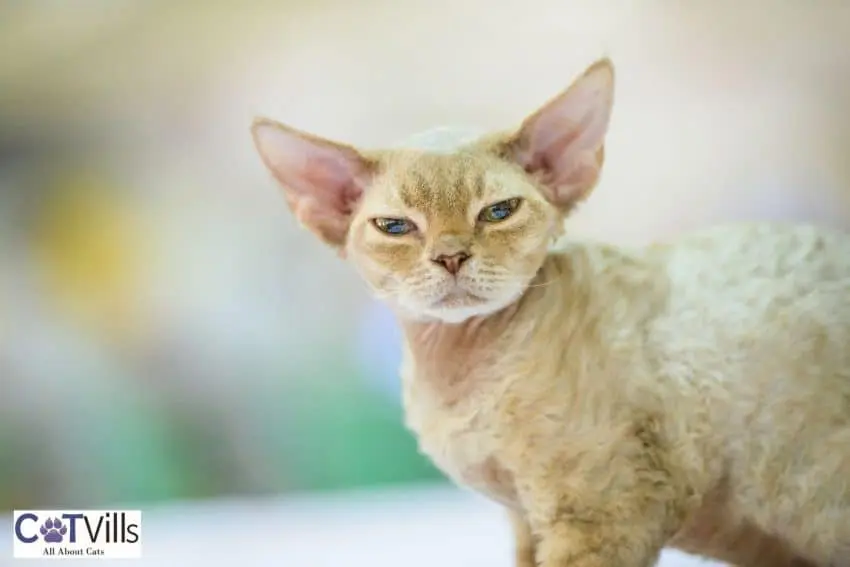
(425,334)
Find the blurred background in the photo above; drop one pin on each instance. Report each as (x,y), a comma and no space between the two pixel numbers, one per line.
(170,340)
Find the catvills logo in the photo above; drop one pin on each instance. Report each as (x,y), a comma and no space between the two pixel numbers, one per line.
(60,534)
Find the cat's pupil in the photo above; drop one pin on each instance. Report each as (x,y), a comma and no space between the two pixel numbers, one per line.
(395,226)
(500,211)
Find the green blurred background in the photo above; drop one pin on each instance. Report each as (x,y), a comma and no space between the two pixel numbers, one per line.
(166,332)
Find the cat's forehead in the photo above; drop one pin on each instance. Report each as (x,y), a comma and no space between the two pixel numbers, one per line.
(436,178)
(441,183)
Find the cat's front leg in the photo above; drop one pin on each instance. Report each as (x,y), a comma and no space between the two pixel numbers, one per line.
(572,543)
(524,547)
(614,510)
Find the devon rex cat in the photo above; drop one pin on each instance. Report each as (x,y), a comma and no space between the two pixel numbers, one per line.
(614,400)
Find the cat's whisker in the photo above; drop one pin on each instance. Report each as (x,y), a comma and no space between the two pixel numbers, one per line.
(542,284)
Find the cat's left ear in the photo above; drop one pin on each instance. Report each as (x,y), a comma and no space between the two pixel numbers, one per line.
(562,144)
(323,181)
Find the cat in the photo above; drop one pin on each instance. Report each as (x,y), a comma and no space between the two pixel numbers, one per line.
(616,400)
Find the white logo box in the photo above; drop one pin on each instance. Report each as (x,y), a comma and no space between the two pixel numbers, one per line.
(70,534)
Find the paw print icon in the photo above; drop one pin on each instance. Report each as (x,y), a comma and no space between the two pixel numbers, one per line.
(53,530)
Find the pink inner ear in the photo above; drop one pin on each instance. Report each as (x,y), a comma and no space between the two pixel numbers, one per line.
(330,185)
(334,182)
(549,156)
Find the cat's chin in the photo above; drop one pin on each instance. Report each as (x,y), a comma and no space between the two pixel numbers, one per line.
(458,315)
(459,298)
(455,310)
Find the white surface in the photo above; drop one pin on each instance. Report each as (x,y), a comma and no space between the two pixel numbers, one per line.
(410,527)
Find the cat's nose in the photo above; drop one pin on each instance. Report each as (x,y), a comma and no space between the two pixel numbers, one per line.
(451,262)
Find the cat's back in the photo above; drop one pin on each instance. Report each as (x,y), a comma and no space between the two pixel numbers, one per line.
(749,255)
(760,313)
(761,273)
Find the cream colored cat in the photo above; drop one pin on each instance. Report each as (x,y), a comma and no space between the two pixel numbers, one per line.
(616,401)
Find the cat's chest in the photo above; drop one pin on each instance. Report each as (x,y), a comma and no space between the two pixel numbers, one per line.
(460,434)
(453,377)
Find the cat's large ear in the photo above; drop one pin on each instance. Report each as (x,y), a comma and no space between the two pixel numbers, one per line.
(562,144)
(323,181)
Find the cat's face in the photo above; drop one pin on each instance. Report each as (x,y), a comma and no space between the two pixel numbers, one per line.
(451,235)
(454,233)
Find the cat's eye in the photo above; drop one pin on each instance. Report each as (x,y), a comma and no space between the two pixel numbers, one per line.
(394,227)
(498,212)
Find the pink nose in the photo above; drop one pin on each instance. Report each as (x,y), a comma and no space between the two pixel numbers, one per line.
(452,262)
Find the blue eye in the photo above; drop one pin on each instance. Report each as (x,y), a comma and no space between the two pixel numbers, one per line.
(394,227)
(498,211)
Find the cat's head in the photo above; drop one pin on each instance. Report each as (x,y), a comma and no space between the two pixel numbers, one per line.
(449,234)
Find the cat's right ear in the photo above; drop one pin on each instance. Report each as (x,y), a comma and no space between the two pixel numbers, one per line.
(323,181)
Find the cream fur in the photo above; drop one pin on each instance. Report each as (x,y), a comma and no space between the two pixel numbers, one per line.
(693,394)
